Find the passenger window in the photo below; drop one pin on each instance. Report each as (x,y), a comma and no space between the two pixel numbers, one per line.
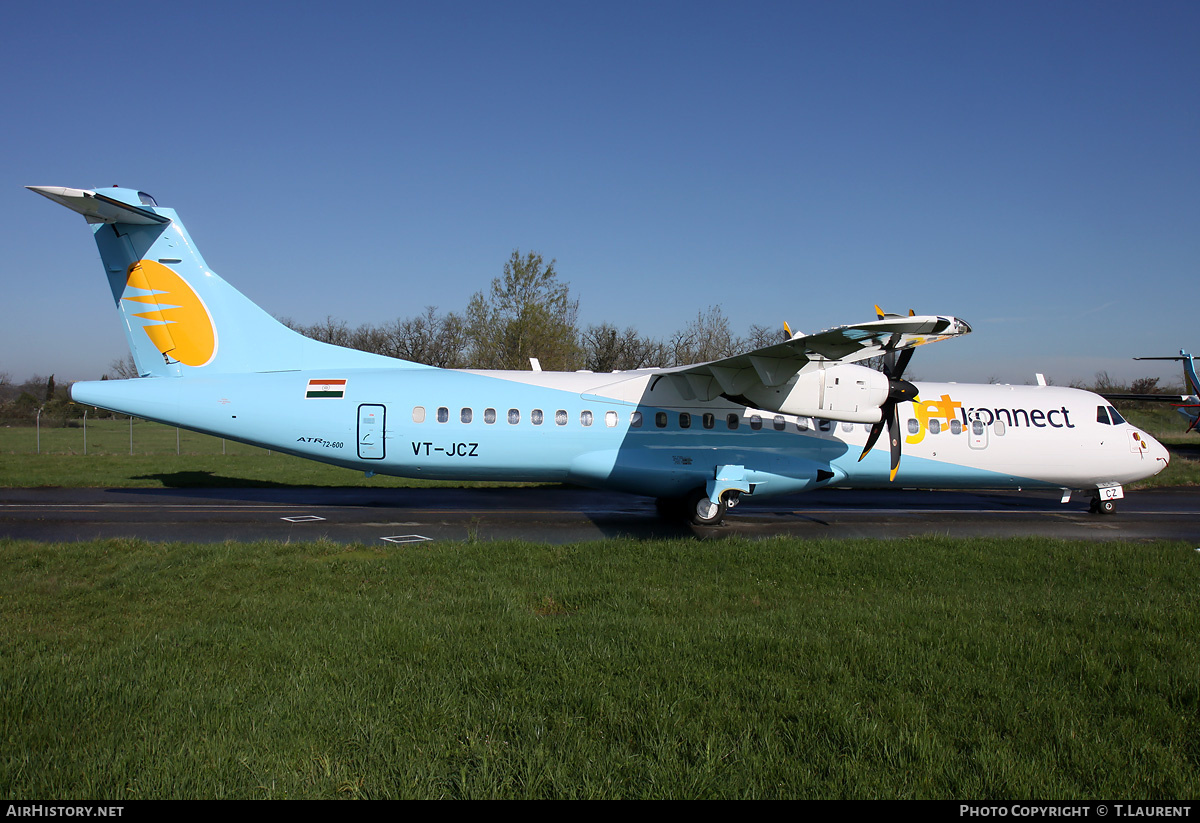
(560,417)
(443,414)
(977,427)
(660,420)
(956,426)
(1102,415)
(802,424)
(709,420)
(824,425)
(465,415)
(685,420)
(755,422)
(489,416)
(847,427)
(731,420)
(935,426)
(635,420)
(610,419)
(418,414)
(778,423)
(999,427)
(535,417)
(913,426)
(585,418)
(514,416)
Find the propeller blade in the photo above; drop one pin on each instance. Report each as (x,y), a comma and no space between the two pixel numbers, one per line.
(894,434)
(876,430)
(902,363)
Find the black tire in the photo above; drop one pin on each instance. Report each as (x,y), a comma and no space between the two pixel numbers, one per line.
(704,512)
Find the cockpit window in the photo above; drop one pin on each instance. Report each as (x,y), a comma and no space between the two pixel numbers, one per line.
(146,199)
(1117,419)
(1102,415)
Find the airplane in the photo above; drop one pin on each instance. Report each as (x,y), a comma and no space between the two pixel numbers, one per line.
(794,416)
(1186,404)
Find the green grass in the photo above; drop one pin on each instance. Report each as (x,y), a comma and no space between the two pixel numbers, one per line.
(164,456)
(921,668)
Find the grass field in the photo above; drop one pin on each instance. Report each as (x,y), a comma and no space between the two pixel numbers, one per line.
(162,456)
(922,668)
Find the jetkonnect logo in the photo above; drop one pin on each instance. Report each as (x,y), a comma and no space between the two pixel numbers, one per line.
(179,324)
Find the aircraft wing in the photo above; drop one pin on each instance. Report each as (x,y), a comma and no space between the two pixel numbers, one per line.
(776,364)
(1150,398)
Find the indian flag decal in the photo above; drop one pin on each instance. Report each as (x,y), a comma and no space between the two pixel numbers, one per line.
(326,388)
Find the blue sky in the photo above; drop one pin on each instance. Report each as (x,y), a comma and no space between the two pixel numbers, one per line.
(1033,168)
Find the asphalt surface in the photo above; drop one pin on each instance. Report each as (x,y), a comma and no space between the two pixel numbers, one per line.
(565,515)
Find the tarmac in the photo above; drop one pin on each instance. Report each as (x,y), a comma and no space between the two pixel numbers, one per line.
(564,514)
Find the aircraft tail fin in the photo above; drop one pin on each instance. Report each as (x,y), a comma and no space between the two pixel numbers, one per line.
(179,316)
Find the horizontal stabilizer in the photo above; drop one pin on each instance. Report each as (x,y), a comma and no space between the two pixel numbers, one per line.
(97,208)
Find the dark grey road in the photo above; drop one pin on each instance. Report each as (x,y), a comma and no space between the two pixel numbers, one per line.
(562,515)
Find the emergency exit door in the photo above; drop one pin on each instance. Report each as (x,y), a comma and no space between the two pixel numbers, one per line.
(371,420)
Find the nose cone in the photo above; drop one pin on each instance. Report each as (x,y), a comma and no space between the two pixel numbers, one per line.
(1154,454)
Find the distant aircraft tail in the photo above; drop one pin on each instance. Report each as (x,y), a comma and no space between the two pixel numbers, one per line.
(179,316)
(1190,408)
(1189,369)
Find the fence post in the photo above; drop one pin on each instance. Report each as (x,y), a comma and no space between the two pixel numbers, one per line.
(85,431)
(131,435)
(39,430)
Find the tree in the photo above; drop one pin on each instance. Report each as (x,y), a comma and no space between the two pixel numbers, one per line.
(528,313)
(706,338)
(606,349)
(122,368)
(429,338)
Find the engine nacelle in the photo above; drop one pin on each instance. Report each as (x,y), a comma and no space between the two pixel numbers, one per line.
(849,393)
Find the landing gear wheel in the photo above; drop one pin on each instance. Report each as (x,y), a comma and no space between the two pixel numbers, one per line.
(1103,506)
(702,511)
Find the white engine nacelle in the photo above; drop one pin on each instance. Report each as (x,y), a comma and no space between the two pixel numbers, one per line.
(849,393)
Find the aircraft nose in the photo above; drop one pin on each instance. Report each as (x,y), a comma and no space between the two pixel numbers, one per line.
(1153,450)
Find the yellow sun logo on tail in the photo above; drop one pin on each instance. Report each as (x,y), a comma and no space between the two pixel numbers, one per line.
(180,325)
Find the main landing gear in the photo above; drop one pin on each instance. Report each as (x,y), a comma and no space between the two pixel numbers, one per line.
(696,508)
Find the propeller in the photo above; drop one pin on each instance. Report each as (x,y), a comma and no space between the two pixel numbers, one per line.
(899,391)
